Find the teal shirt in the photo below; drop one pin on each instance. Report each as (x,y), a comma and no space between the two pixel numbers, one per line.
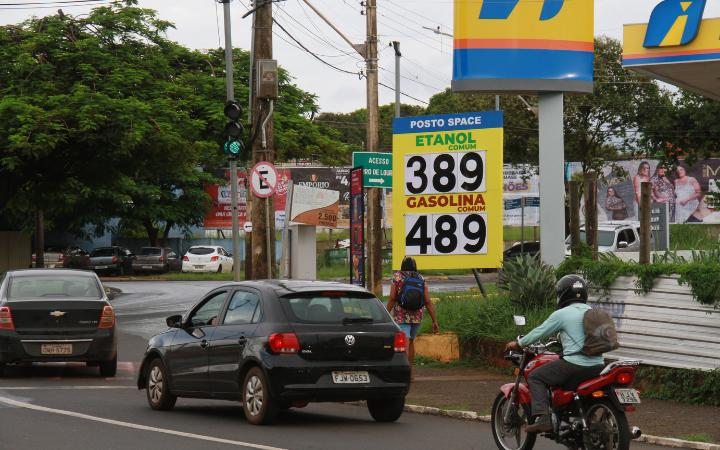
(567,321)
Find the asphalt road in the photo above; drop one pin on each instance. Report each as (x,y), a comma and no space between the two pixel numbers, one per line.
(68,406)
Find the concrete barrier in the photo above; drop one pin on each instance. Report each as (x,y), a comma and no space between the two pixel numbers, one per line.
(443,347)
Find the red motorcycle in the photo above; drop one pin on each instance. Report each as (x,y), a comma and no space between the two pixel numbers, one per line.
(587,413)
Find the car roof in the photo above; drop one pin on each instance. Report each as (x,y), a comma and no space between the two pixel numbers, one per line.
(40,271)
(288,287)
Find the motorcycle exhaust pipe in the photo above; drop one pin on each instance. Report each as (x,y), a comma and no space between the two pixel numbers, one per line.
(636,433)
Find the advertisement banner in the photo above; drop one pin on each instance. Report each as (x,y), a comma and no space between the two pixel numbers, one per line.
(313,206)
(527,46)
(448,190)
(219,216)
(357,228)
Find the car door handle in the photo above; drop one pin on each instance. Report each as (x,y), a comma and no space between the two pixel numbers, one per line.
(204,343)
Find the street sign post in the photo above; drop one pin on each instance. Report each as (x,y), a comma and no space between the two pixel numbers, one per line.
(377,168)
(449,190)
(264,179)
(357,228)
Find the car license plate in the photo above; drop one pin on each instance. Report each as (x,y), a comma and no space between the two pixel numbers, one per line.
(147,267)
(199,267)
(350,377)
(101,267)
(627,396)
(56,349)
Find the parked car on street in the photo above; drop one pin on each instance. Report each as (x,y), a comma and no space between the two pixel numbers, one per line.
(56,315)
(54,257)
(76,258)
(615,237)
(531,248)
(280,344)
(117,260)
(207,258)
(156,259)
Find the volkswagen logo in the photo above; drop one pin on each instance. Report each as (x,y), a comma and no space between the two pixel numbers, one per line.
(57,314)
(350,340)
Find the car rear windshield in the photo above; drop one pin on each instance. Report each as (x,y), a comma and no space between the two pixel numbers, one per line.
(103,252)
(339,308)
(150,251)
(53,286)
(201,250)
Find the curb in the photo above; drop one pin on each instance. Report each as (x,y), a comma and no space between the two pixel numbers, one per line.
(473,416)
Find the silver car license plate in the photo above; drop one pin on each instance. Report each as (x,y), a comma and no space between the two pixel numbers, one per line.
(101,267)
(147,267)
(351,377)
(56,349)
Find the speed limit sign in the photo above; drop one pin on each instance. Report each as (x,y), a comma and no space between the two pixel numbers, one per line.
(450,214)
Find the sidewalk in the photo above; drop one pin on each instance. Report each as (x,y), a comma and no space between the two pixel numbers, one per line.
(471,389)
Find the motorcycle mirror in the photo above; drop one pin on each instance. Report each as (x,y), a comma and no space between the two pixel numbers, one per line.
(520,321)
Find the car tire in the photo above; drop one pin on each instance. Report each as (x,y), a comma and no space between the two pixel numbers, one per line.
(157,387)
(2,370)
(219,269)
(120,270)
(108,368)
(259,406)
(386,409)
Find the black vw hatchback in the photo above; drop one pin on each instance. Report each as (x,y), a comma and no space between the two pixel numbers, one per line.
(51,315)
(276,344)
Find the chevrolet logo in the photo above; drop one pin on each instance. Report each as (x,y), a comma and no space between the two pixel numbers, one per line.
(57,314)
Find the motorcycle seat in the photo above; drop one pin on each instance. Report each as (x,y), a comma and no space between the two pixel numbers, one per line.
(586,374)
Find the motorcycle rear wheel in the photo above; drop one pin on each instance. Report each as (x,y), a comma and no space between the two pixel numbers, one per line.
(608,428)
(511,436)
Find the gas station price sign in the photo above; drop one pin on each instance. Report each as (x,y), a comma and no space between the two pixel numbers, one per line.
(450,213)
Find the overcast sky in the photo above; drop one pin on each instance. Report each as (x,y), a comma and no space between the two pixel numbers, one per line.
(427,63)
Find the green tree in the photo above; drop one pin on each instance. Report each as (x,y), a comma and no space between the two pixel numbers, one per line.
(103,117)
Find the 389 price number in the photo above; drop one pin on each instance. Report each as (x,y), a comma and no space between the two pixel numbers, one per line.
(446,234)
(445,173)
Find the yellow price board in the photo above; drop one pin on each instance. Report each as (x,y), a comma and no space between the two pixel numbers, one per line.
(448,190)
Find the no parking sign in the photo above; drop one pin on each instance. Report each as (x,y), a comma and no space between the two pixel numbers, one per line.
(264,179)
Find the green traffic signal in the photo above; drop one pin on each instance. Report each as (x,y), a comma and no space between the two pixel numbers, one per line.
(233,147)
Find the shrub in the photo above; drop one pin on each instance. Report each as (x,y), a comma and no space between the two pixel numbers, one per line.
(529,282)
(682,385)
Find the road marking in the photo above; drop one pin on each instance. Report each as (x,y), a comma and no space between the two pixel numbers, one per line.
(51,388)
(135,426)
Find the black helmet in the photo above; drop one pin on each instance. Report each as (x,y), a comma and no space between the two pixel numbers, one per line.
(571,289)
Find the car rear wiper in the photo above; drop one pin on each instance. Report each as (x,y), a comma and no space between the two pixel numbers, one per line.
(348,320)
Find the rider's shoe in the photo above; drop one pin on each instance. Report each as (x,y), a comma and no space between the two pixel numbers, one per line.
(542,424)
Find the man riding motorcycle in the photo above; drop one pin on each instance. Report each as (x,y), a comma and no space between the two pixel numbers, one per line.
(572,295)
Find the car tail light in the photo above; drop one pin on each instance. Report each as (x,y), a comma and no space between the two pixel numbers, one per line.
(6,320)
(115,260)
(214,258)
(400,342)
(107,318)
(284,343)
(186,258)
(62,257)
(625,378)
(34,257)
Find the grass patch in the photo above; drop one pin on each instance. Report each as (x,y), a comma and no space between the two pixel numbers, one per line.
(693,237)
(697,437)
(429,363)
(514,234)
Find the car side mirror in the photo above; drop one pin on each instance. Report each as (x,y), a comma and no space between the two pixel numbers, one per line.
(520,321)
(622,244)
(174,321)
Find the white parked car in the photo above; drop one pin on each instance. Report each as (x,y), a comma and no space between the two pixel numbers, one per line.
(207,258)
(615,237)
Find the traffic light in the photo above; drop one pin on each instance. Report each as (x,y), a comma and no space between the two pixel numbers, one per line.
(233,130)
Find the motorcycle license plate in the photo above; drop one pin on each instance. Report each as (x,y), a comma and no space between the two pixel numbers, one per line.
(627,396)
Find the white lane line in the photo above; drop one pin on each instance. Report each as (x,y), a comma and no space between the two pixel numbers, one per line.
(134,426)
(53,388)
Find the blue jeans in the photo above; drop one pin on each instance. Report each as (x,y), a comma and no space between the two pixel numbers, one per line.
(410,329)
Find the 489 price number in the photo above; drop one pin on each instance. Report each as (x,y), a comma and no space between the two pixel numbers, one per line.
(446,234)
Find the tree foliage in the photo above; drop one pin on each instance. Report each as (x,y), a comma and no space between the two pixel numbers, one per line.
(103,116)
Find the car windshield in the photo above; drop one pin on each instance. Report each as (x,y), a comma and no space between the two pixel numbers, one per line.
(343,307)
(201,250)
(59,285)
(103,252)
(150,251)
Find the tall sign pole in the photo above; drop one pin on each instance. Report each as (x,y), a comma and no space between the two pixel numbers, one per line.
(375,234)
(398,55)
(230,87)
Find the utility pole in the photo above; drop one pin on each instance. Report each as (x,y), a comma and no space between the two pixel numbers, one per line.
(263,214)
(375,234)
(398,55)
(230,87)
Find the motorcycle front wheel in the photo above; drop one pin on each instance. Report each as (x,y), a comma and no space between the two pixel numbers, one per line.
(607,427)
(511,435)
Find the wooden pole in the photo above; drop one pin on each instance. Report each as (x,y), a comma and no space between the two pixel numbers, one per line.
(645,221)
(39,239)
(574,217)
(591,223)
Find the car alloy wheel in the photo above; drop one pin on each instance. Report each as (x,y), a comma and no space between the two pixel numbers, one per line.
(259,406)
(158,390)
(254,395)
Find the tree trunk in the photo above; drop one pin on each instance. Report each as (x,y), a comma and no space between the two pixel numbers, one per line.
(152,232)
(591,218)
(39,239)
(166,233)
